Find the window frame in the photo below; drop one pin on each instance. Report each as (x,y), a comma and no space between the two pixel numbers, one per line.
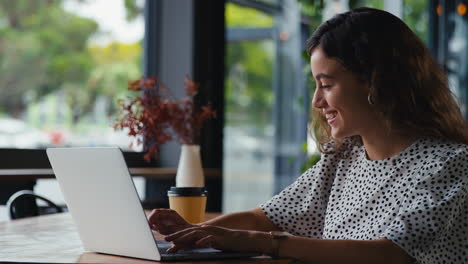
(16,158)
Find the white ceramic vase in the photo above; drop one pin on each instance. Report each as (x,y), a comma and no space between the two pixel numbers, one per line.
(189,170)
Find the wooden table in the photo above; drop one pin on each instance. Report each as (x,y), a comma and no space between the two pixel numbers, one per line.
(54,239)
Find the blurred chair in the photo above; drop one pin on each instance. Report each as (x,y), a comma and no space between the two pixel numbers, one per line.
(23,204)
(7,189)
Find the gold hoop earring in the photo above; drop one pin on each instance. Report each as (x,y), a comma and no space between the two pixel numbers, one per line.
(369,99)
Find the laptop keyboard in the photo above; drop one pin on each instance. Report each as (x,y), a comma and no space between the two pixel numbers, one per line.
(199,253)
(163,246)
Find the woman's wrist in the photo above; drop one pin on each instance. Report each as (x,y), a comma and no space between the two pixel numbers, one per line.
(253,240)
(262,242)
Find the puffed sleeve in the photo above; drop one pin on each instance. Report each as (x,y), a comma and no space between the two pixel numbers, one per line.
(432,224)
(300,208)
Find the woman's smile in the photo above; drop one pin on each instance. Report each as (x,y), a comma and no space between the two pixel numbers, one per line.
(331,117)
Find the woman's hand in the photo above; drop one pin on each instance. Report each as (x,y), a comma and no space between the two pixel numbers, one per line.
(167,221)
(215,237)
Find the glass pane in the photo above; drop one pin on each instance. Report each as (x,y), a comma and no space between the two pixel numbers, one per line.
(238,16)
(416,16)
(270,2)
(415,13)
(457,59)
(63,64)
(248,132)
(379,4)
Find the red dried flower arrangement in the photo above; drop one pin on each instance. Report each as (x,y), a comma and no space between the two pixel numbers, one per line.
(154,114)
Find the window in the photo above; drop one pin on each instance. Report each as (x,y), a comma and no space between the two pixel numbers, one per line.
(416,16)
(249,97)
(63,64)
(454,58)
(266,101)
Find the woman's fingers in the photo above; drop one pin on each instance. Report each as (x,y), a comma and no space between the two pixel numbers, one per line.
(198,236)
(210,236)
(177,235)
(180,233)
(208,241)
(174,248)
(166,221)
(188,240)
(154,213)
(154,227)
(161,214)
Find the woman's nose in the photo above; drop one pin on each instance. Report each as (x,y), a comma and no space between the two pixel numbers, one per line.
(318,101)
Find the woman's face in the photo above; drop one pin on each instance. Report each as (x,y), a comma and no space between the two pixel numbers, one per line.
(341,97)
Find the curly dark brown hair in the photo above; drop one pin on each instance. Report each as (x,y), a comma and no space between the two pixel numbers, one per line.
(407,87)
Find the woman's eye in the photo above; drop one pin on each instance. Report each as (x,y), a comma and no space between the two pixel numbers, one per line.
(325,86)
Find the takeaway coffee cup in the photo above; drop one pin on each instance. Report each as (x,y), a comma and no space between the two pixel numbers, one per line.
(189,202)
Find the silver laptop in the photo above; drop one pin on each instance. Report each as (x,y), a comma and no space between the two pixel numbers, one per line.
(106,209)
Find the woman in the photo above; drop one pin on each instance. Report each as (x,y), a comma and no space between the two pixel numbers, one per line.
(392,183)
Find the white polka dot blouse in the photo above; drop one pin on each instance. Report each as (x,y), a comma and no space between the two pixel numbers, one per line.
(417,199)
